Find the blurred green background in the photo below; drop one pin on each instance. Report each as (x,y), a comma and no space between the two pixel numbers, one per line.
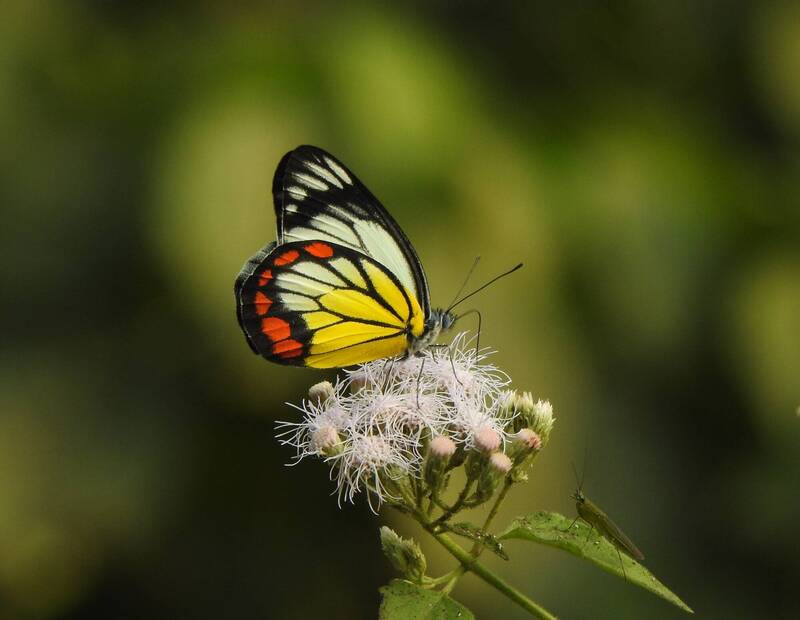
(641,158)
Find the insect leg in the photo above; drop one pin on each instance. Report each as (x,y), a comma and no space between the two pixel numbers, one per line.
(419,380)
(453,366)
(621,563)
(436,345)
(387,374)
(575,520)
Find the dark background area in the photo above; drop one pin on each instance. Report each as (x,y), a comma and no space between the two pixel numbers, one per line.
(640,157)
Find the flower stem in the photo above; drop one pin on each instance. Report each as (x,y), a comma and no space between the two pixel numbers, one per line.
(471,564)
(477,547)
(458,503)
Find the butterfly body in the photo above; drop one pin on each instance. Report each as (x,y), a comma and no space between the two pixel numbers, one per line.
(440,320)
(342,285)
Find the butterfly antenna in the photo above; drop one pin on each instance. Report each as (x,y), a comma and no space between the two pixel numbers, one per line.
(464,283)
(480,288)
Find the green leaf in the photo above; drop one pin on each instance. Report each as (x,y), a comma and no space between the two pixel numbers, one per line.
(403,600)
(550,528)
(473,532)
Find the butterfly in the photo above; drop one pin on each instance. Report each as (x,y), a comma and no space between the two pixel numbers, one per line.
(342,285)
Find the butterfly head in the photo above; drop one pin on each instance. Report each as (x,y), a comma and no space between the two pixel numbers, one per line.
(439,321)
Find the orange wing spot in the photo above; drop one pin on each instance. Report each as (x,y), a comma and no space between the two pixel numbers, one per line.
(287,258)
(262,303)
(265,277)
(320,250)
(287,348)
(275,329)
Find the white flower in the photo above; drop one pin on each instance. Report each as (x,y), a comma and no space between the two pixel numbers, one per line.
(375,423)
(370,462)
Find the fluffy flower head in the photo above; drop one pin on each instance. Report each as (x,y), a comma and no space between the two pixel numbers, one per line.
(374,424)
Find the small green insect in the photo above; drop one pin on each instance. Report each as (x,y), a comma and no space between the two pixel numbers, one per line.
(598,520)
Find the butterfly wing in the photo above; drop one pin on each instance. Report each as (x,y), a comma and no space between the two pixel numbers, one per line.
(318,198)
(324,305)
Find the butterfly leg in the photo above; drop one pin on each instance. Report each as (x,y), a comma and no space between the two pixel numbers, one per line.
(480,322)
(439,346)
(419,381)
(387,374)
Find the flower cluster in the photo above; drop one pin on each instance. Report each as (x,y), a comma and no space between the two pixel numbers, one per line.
(391,421)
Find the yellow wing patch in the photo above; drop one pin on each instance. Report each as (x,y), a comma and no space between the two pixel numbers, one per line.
(387,289)
(316,320)
(359,306)
(347,334)
(322,305)
(360,353)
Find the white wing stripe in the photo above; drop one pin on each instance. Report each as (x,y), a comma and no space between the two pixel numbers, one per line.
(343,231)
(319,170)
(339,171)
(297,191)
(310,182)
(298,303)
(318,272)
(301,233)
(297,283)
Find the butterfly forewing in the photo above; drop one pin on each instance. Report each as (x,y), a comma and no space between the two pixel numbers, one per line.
(317,198)
(321,304)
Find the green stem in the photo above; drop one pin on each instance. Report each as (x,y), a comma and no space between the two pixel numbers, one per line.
(458,503)
(417,489)
(471,564)
(477,547)
(435,581)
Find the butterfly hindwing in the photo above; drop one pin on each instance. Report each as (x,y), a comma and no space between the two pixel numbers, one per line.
(320,304)
(318,198)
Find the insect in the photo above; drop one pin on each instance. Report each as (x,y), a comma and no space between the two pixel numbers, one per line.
(598,520)
(342,285)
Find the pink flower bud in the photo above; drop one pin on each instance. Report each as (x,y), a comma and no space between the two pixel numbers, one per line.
(529,438)
(324,438)
(487,439)
(442,447)
(320,392)
(500,462)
